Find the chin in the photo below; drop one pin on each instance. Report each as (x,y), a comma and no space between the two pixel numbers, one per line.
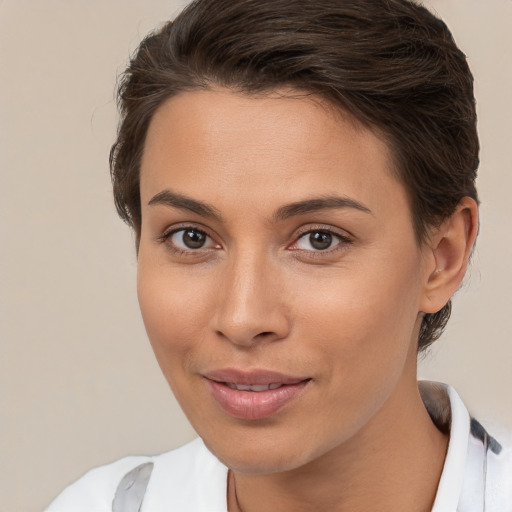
(259,462)
(260,453)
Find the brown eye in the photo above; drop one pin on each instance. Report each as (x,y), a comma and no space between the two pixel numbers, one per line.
(193,239)
(187,239)
(320,240)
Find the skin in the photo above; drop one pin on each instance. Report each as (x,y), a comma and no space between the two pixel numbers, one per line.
(259,295)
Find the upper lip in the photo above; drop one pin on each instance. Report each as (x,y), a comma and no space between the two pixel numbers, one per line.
(252,377)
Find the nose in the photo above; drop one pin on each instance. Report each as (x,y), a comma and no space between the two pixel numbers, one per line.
(250,302)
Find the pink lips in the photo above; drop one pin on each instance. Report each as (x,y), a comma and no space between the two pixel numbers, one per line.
(253,395)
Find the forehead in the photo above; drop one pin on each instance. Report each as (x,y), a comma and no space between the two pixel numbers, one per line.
(276,147)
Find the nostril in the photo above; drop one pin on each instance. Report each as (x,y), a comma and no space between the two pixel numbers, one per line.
(264,334)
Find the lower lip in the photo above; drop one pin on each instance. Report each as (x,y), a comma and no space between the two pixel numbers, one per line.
(254,405)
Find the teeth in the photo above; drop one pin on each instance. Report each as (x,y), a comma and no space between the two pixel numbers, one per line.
(252,387)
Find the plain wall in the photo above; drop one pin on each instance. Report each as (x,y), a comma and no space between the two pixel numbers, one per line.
(79,385)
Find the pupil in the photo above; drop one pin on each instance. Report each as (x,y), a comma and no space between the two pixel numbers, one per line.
(320,240)
(193,239)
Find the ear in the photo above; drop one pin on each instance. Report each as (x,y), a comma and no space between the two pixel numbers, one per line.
(449,250)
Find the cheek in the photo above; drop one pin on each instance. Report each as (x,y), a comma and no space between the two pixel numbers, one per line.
(359,333)
(364,320)
(175,309)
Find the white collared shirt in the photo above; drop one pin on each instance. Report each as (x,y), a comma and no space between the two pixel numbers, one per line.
(477,474)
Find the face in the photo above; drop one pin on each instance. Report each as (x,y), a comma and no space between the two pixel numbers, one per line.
(278,276)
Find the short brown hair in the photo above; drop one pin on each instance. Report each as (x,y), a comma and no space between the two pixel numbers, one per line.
(390,63)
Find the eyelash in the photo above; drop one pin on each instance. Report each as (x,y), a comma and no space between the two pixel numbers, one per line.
(343,241)
(167,235)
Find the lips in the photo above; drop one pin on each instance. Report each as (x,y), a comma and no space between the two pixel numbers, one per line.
(253,395)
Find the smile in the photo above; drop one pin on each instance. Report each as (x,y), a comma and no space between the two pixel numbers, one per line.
(253,395)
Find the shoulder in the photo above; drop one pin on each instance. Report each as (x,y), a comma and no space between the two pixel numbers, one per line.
(176,478)
(499,474)
(488,467)
(95,490)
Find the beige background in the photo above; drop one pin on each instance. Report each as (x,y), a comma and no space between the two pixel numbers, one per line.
(78,383)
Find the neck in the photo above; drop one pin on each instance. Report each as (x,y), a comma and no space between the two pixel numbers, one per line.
(394,463)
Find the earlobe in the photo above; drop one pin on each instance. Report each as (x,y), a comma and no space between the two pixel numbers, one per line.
(451,245)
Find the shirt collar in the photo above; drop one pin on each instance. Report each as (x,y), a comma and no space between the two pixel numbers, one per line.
(448,412)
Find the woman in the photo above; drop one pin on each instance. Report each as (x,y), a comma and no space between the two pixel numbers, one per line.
(300,177)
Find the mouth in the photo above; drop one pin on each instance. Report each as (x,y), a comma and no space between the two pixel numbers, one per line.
(253,387)
(254,395)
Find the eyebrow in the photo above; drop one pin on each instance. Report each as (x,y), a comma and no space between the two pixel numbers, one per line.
(168,198)
(175,200)
(319,204)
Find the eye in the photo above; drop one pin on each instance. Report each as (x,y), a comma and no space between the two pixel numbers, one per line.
(189,239)
(319,240)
